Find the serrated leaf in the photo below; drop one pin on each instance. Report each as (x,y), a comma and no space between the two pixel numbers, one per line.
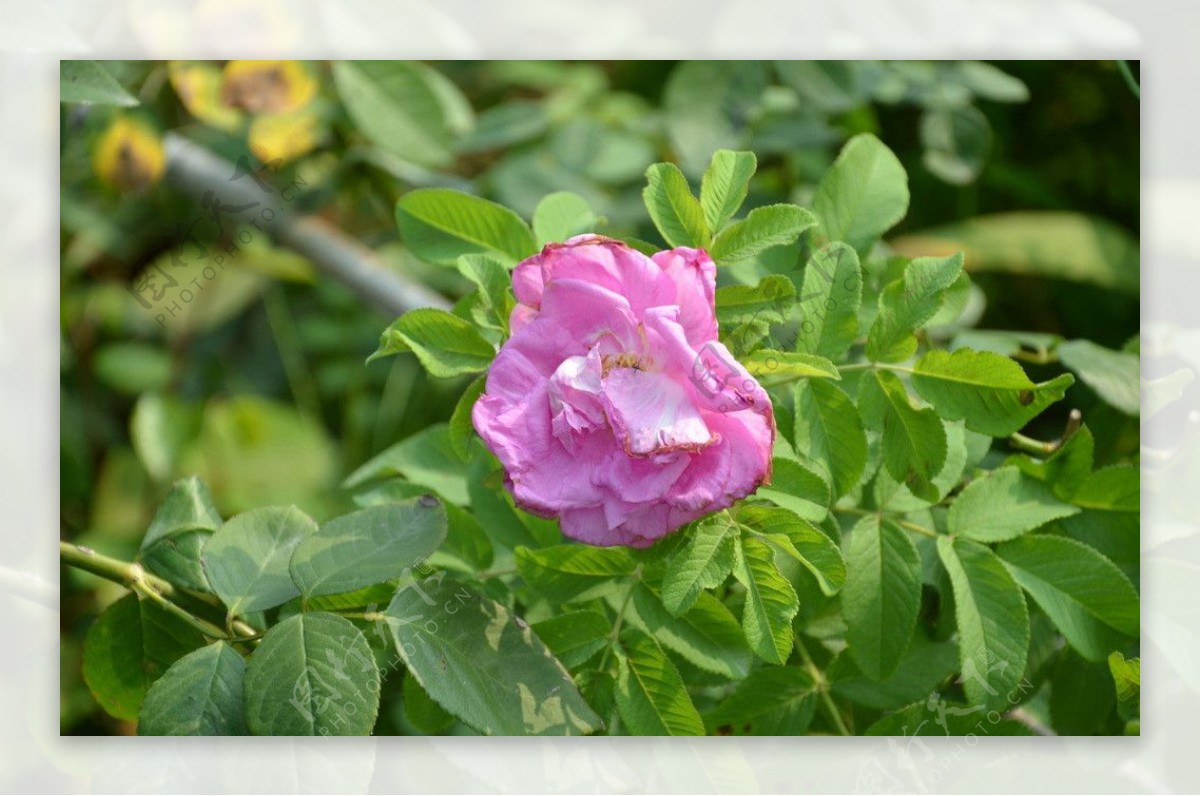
(422,711)
(571,572)
(181,526)
(925,665)
(704,562)
(991,393)
(1114,375)
(1003,505)
(771,602)
(766,364)
(891,495)
(707,635)
(483,664)
(426,458)
(651,696)
(864,193)
(246,560)
(1127,674)
(725,184)
(575,636)
(797,488)
(312,674)
(673,209)
(993,622)
(907,303)
(440,225)
(90,82)
(128,647)
(829,431)
(882,595)
(1082,592)
(914,440)
(492,279)
(765,301)
(368,546)
(201,694)
(562,215)
(829,302)
(801,540)
(771,701)
(445,344)
(764,228)
(461,429)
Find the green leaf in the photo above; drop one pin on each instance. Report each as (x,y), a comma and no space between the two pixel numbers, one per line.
(1082,592)
(1114,375)
(461,429)
(1003,505)
(440,225)
(703,562)
(771,602)
(673,209)
(368,546)
(422,711)
(765,301)
(1067,468)
(312,674)
(725,184)
(90,82)
(1082,698)
(574,636)
(763,228)
(160,429)
(988,391)
(426,458)
(787,366)
(956,142)
(708,107)
(798,489)
(572,572)
(246,560)
(494,282)
(993,622)
(1113,488)
(882,595)
(925,665)
(891,495)
(829,431)
(1048,244)
(483,664)
(445,344)
(562,215)
(801,540)
(707,635)
(651,696)
(831,86)
(1127,674)
(130,646)
(771,701)
(181,526)
(201,694)
(829,302)
(945,719)
(864,193)
(396,105)
(914,440)
(907,304)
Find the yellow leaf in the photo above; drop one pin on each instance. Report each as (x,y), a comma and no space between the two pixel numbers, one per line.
(268,86)
(198,85)
(284,136)
(129,155)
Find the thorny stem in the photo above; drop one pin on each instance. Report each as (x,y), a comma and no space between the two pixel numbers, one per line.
(151,587)
(822,686)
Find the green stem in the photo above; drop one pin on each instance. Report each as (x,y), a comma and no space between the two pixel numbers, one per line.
(874,366)
(822,686)
(911,526)
(1032,446)
(134,577)
(300,379)
(616,631)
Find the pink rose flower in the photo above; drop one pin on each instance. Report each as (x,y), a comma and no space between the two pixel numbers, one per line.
(613,407)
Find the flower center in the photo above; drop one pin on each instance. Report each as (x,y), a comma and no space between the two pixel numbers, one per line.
(622,360)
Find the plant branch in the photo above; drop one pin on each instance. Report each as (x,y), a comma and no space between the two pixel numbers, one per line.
(822,686)
(616,631)
(199,173)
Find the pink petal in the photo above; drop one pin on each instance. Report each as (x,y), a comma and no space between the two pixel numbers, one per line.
(651,412)
(695,278)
